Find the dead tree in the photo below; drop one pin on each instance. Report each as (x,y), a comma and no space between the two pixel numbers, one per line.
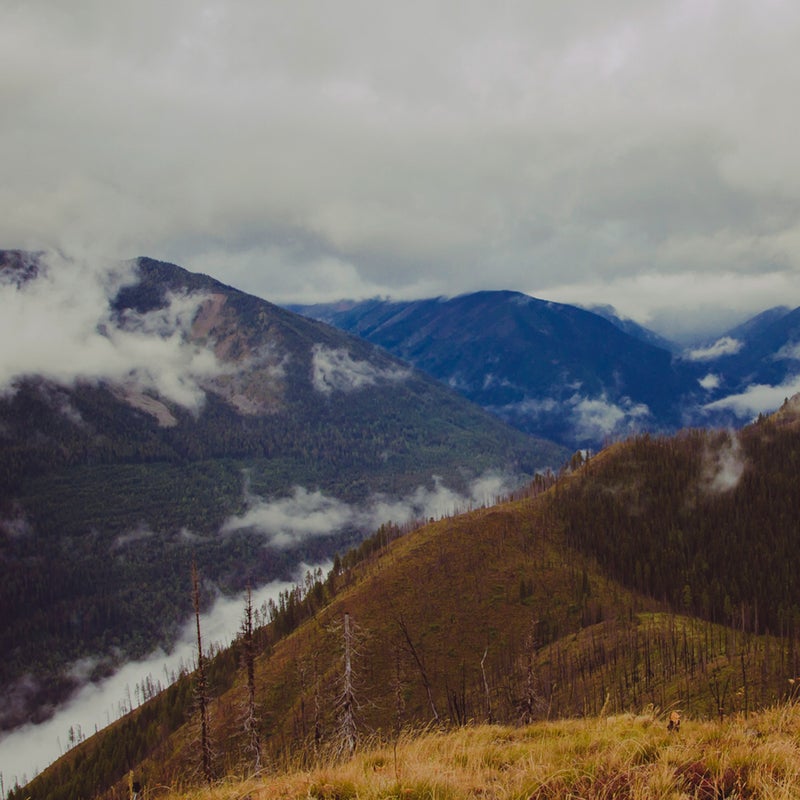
(201,686)
(489,715)
(250,722)
(347,733)
(420,666)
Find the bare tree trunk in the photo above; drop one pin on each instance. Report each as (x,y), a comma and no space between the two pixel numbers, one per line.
(348,732)
(251,718)
(489,716)
(413,650)
(201,689)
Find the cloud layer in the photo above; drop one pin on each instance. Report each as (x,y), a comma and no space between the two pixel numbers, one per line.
(336,370)
(306,153)
(286,521)
(61,326)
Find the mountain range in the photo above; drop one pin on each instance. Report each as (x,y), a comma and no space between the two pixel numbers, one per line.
(580,377)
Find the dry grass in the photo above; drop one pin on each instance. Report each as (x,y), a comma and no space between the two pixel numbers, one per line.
(625,756)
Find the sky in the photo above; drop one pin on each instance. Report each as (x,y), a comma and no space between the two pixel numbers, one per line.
(641,154)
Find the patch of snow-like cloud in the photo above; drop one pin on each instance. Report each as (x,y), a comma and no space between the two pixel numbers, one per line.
(723,466)
(789,352)
(710,382)
(137,534)
(60,325)
(596,418)
(591,419)
(286,521)
(725,346)
(756,399)
(336,370)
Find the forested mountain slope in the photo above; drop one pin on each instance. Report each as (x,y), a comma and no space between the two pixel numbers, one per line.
(150,416)
(704,520)
(550,368)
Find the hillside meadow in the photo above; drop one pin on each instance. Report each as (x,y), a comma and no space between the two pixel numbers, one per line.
(621,756)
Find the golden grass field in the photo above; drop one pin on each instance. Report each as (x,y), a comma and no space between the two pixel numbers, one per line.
(624,756)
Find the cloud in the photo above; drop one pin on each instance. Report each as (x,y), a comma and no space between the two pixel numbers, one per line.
(61,326)
(286,521)
(685,305)
(724,466)
(289,520)
(591,418)
(789,352)
(756,399)
(598,417)
(336,370)
(710,382)
(726,346)
(414,151)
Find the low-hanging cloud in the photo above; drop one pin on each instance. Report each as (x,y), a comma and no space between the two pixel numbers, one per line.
(60,325)
(726,346)
(710,381)
(336,370)
(789,352)
(287,521)
(756,399)
(723,466)
(590,418)
(598,417)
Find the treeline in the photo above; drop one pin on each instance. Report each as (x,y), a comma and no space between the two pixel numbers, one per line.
(706,521)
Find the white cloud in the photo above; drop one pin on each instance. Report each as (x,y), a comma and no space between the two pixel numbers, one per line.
(726,346)
(789,352)
(598,417)
(756,399)
(724,466)
(31,748)
(61,326)
(591,418)
(288,520)
(710,382)
(336,370)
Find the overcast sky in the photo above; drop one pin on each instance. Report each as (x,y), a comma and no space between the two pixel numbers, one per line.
(632,152)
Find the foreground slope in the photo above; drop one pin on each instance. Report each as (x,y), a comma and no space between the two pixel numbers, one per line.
(218,428)
(630,756)
(596,595)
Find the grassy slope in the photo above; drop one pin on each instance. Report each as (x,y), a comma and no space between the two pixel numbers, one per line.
(623,756)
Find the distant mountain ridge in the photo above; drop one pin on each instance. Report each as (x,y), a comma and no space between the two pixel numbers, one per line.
(560,370)
(580,376)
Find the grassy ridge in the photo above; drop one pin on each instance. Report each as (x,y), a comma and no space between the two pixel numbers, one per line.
(630,756)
